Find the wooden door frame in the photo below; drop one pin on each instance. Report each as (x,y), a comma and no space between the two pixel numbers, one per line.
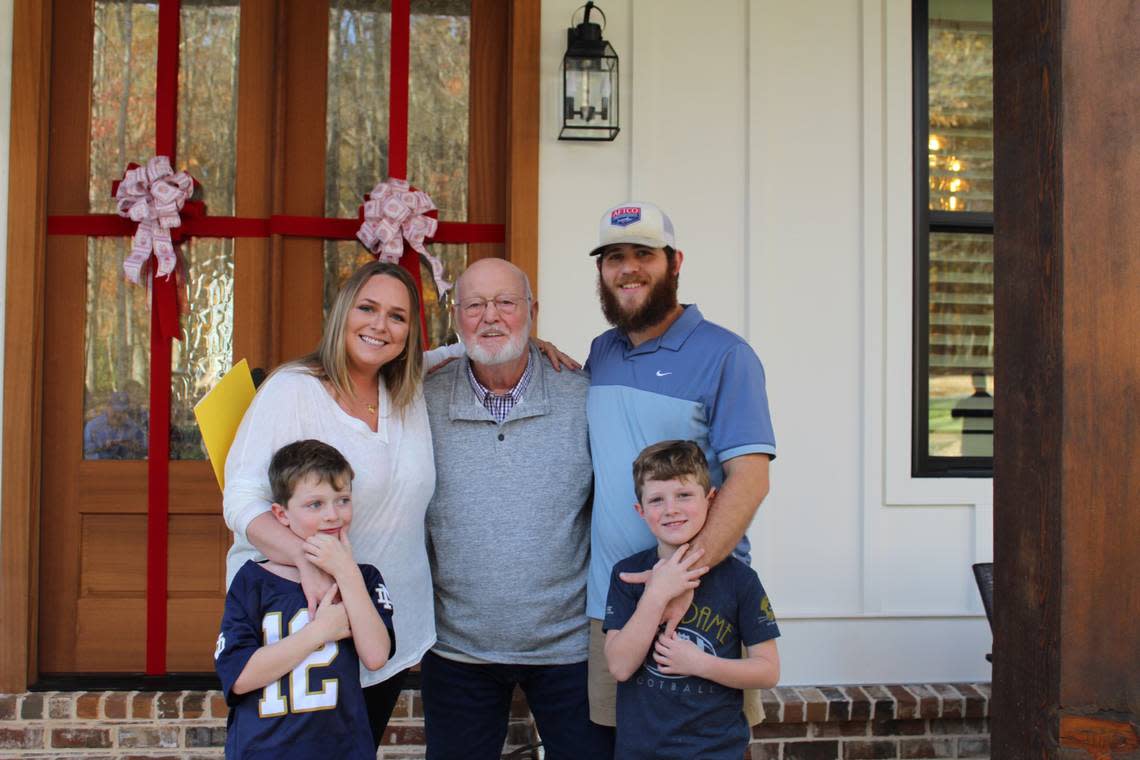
(23,342)
(26,259)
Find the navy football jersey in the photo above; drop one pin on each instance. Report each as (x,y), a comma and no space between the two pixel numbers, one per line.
(316,710)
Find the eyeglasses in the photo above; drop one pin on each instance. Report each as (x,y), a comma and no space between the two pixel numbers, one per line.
(506,305)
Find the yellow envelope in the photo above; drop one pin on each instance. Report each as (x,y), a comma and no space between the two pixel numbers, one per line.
(219,413)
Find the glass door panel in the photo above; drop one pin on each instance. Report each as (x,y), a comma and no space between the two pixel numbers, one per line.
(438,126)
(439,103)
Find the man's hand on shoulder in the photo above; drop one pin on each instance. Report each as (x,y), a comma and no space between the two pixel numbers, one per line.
(735,504)
(675,579)
(557,358)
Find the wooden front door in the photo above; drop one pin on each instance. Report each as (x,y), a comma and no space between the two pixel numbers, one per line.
(282,109)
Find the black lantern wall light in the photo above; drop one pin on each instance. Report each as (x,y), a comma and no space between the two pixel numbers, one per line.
(589,82)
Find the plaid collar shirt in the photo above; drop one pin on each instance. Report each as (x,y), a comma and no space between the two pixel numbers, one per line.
(501,406)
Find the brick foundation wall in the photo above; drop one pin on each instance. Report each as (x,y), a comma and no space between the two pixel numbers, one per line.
(870,722)
(914,722)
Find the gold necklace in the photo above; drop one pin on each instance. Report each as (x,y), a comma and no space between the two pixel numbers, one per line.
(351,405)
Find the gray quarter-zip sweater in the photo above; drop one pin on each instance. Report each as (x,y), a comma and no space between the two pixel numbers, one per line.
(509,526)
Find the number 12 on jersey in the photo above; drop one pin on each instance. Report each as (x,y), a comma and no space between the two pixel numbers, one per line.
(273,703)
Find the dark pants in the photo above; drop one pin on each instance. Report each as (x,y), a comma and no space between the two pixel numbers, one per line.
(379,700)
(466,709)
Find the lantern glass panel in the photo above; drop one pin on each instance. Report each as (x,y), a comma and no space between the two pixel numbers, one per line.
(590,96)
(589,91)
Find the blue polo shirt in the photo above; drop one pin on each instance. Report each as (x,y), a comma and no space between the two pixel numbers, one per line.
(698,382)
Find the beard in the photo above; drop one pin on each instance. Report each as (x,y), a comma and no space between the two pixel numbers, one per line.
(508,352)
(662,300)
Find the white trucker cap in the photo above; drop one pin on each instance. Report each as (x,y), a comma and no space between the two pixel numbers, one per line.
(635,223)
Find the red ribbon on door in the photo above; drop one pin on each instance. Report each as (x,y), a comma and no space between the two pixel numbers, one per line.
(165,288)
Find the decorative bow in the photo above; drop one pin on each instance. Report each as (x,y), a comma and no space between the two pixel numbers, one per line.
(395,213)
(152,195)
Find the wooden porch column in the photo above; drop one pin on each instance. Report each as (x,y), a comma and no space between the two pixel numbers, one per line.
(1067,427)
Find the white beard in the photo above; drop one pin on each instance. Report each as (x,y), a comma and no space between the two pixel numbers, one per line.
(510,351)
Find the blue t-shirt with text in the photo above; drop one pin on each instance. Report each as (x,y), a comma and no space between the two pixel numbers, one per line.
(666,716)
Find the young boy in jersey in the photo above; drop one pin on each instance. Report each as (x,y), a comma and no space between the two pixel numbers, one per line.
(680,693)
(293,684)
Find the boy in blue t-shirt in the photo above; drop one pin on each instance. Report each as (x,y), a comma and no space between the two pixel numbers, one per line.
(293,684)
(680,694)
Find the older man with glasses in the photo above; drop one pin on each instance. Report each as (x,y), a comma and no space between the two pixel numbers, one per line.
(508,532)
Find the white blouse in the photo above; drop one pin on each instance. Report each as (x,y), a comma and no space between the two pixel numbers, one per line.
(394,481)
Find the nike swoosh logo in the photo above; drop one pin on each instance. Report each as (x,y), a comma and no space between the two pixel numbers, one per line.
(663,374)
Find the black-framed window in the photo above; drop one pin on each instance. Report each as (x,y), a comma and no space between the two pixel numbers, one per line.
(952,418)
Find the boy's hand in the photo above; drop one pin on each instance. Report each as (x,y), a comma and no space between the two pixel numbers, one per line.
(678,657)
(333,554)
(332,618)
(675,610)
(675,576)
(314,583)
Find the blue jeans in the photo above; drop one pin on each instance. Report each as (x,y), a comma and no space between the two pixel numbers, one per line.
(466,709)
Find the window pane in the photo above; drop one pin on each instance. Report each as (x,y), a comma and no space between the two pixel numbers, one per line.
(357,118)
(961,151)
(207,99)
(116,404)
(117,356)
(122,94)
(357,125)
(961,343)
(117,350)
(438,102)
(205,353)
(117,328)
(207,140)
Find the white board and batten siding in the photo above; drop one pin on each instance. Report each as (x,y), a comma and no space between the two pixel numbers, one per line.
(777,135)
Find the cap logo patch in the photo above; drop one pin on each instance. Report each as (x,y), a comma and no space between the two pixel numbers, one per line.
(623,217)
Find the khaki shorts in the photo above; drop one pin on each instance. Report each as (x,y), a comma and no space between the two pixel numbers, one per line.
(603,687)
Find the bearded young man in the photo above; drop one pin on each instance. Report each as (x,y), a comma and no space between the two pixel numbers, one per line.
(508,532)
(664,372)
